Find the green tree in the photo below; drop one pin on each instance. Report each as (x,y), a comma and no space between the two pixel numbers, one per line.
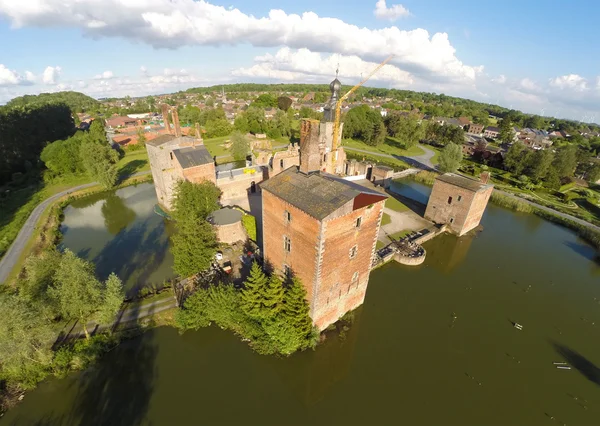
(266,100)
(26,340)
(295,308)
(239,146)
(506,133)
(141,137)
(193,246)
(241,123)
(539,164)
(515,159)
(565,160)
(194,201)
(38,278)
(284,103)
(100,162)
(59,156)
(76,290)
(552,179)
(254,297)
(450,158)
(257,123)
(218,127)
(404,127)
(363,123)
(112,299)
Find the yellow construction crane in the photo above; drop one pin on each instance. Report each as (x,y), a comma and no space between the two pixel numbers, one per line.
(338,109)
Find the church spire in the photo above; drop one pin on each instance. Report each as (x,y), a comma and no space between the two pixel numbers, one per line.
(335,86)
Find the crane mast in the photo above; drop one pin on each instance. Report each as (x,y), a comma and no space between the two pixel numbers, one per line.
(338,109)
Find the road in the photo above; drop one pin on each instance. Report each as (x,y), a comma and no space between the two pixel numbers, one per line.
(12,255)
(423,160)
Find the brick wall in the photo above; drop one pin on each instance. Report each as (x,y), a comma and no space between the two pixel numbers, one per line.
(303,231)
(283,160)
(337,293)
(200,173)
(464,210)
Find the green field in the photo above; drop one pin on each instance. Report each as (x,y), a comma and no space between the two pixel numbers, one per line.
(385,219)
(394,204)
(391,146)
(400,234)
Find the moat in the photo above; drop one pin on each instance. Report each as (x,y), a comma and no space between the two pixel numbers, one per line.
(432,345)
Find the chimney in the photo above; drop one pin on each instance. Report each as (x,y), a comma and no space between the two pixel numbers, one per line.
(310,157)
(175,116)
(165,113)
(484,177)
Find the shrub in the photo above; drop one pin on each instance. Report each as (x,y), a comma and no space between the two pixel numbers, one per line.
(249,223)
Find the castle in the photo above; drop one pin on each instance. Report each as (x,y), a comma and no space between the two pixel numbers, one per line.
(315,224)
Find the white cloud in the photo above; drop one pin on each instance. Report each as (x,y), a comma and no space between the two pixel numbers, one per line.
(51,75)
(303,65)
(10,77)
(162,23)
(179,72)
(391,13)
(501,79)
(530,85)
(143,70)
(106,75)
(571,81)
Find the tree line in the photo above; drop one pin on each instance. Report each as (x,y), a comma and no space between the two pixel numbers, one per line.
(25,131)
(86,152)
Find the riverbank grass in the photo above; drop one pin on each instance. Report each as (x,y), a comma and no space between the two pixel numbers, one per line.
(395,204)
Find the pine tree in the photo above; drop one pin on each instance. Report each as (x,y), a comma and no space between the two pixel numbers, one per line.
(274,293)
(253,294)
(295,308)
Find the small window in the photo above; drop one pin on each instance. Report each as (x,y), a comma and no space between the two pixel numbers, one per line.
(459,197)
(281,163)
(287,216)
(287,244)
(353,252)
(287,271)
(340,295)
(171,154)
(358,222)
(355,276)
(348,289)
(328,300)
(449,200)
(451,220)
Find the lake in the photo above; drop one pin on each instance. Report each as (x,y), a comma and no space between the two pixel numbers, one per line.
(119,232)
(432,345)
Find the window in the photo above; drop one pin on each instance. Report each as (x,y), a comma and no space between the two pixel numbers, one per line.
(358,222)
(355,276)
(171,154)
(449,200)
(287,244)
(451,220)
(287,216)
(353,252)
(459,197)
(281,163)
(287,271)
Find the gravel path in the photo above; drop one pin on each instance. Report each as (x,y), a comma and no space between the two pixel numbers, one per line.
(12,255)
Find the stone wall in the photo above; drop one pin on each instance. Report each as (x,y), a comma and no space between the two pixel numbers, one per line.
(164,172)
(459,208)
(283,160)
(235,183)
(230,233)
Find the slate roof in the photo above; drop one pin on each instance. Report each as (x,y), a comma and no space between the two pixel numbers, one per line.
(462,182)
(162,139)
(193,156)
(316,194)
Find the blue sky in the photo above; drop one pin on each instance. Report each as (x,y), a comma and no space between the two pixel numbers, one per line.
(538,57)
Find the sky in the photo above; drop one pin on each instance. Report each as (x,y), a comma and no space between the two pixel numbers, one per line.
(539,57)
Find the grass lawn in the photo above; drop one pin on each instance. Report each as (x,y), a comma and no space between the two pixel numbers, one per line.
(385,219)
(215,145)
(394,204)
(435,159)
(400,234)
(391,146)
(380,245)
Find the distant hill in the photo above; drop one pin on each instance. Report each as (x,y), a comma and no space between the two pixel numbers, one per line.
(78,102)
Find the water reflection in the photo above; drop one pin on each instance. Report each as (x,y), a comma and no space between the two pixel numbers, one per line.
(447,252)
(116,214)
(120,233)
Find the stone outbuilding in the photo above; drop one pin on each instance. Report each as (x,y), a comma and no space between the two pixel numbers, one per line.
(228,225)
(458,201)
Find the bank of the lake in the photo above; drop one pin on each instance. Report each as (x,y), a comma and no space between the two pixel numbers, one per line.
(432,344)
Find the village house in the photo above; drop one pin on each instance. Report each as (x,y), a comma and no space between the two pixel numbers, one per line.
(491,132)
(475,129)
